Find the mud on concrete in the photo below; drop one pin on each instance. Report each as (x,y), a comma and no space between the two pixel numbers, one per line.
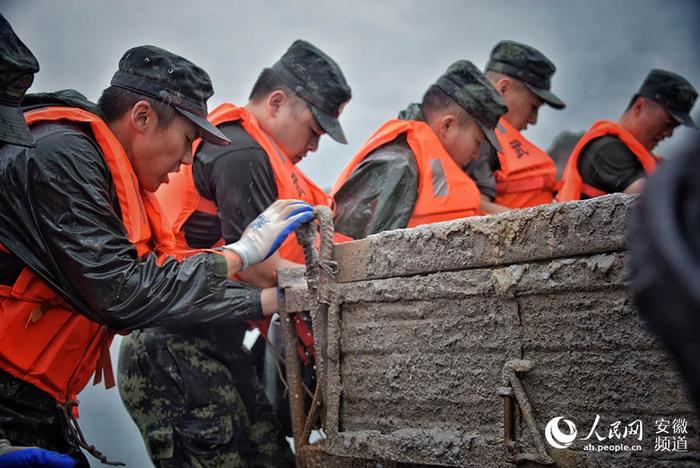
(425,319)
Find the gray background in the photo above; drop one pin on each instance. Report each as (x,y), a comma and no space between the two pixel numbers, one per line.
(390,52)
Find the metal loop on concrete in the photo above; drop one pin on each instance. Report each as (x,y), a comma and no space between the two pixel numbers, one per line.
(512,387)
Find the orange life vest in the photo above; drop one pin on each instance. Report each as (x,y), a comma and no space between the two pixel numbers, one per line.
(445,191)
(527,176)
(180,197)
(572,183)
(43,340)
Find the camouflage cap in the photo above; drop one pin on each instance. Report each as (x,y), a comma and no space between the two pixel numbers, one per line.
(17,68)
(173,80)
(528,65)
(469,88)
(673,92)
(412,112)
(318,80)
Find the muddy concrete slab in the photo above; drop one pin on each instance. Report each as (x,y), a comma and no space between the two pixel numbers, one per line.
(539,233)
(421,324)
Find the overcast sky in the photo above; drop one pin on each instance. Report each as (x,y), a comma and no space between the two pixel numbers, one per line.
(390,51)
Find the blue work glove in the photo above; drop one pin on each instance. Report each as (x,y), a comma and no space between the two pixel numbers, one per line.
(266,233)
(31,457)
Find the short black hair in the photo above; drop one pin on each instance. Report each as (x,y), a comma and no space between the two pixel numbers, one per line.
(267,82)
(436,100)
(115,102)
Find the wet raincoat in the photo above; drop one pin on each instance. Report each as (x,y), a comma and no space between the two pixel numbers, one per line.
(63,234)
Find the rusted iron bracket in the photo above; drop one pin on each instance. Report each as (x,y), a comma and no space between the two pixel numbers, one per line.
(512,391)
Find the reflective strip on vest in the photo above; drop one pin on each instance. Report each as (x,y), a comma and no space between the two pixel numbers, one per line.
(440,188)
(445,191)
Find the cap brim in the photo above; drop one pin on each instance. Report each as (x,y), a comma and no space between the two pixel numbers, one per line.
(547,96)
(330,124)
(682,117)
(490,136)
(13,127)
(208,132)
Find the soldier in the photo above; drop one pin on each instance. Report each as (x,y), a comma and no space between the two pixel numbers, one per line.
(85,250)
(521,174)
(410,172)
(292,104)
(616,156)
(17,68)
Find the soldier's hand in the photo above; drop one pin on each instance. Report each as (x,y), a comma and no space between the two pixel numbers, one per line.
(266,233)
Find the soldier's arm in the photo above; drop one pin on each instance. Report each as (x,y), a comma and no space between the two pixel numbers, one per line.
(611,166)
(242,184)
(481,170)
(489,207)
(637,186)
(87,244)
(264,275)
(379,195)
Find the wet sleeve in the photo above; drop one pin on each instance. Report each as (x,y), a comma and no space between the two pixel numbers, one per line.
(610,165)
(379,195)
(482,169)
(242,185)
(87,244)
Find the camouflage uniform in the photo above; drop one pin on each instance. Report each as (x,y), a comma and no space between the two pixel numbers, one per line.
(196,406)
(412,112)
(194,394)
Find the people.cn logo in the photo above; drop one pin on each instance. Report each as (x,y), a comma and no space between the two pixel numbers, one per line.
(556,437)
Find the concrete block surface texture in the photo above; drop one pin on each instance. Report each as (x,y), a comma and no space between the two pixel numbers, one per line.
(461,343)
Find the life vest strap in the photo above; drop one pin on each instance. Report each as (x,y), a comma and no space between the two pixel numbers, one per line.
(526,184)
(207,206)
(103,367)
(591,191)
